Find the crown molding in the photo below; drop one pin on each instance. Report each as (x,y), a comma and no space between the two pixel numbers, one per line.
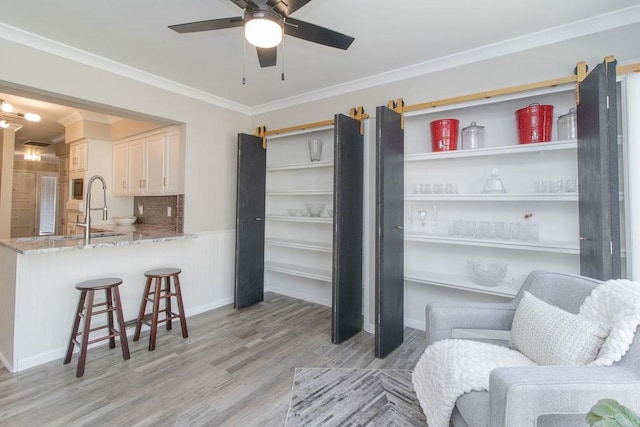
(35,41)
(607,21)
(596,24)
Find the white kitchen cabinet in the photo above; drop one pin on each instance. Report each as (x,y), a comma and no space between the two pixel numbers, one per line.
(63,196)
(153,164)
(120,169)
(63,168)
(78,155)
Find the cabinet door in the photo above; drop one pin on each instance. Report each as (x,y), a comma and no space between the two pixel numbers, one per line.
(154,161)
(598,175)
(79,154)
(63,196)
(136,185)
(389,317)
(64,169)
(120,169)
(250,205)
(173,163)
(347,229)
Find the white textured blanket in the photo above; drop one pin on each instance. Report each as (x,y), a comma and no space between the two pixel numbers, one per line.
(450,368)
(616,303)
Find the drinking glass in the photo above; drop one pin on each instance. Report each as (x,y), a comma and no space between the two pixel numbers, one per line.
(315,149)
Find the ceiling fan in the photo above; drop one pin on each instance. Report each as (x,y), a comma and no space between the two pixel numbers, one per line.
(264,23)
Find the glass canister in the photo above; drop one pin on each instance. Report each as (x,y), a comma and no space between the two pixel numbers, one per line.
(567,126)
(472,137)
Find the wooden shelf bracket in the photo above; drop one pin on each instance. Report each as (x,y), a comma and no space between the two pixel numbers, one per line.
(398,106)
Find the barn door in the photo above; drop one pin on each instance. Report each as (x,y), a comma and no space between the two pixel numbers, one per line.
(250,205)
(389,231)
(598,174)
(347,229)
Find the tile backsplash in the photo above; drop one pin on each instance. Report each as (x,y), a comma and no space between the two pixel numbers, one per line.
(155,209)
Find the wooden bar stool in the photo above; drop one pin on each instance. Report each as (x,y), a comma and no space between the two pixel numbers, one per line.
(86,307)
(160,293)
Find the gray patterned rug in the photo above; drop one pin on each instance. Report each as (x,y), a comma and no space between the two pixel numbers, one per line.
(353,397)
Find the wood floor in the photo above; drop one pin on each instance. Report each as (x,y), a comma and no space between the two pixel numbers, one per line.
(235,369)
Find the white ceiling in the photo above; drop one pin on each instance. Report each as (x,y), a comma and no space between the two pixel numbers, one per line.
(130,37)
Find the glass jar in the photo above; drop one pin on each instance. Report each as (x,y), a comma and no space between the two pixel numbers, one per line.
(472,137)
(567,126)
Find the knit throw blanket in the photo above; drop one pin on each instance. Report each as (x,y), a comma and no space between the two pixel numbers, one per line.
(449,368)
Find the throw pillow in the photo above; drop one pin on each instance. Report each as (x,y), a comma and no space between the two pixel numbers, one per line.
(549,335)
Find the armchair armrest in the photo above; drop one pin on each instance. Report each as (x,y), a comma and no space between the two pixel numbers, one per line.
(519,395)
(442,318)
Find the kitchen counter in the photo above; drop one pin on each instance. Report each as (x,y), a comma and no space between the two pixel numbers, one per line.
(102,236)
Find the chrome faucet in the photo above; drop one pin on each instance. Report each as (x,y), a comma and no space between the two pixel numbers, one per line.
(87,208)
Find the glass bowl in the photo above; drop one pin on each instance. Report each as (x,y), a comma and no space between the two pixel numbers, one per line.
(487,272)
(315,209)
(124,220)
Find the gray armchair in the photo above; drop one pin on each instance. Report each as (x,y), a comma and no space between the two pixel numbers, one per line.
(540,395)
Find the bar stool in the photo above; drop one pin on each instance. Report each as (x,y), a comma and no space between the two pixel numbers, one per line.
(112,304)
(160,293)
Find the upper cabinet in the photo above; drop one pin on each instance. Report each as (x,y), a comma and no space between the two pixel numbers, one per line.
(149,164)
(63,171)
(78,156)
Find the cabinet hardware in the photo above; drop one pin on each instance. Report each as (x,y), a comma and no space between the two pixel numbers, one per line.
(399,227)
(164,181)
(258,219)
(124,184)
(584,238)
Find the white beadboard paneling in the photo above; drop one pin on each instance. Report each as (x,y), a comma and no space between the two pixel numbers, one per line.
(46,298)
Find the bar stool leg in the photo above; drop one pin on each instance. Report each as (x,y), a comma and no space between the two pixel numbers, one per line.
(143,308)
(122,330)
(167,302)
(183,320)
(154,315)
(76,326)
(85,334)
(109,307)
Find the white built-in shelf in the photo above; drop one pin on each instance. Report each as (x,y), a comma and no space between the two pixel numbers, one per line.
(502,197)
(536,246)
(296,270)
(311,219)
(300,193)
(299,244)
(458,282)
(540,147)
(298,166)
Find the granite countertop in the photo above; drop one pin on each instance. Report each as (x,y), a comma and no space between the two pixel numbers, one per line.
(103,235)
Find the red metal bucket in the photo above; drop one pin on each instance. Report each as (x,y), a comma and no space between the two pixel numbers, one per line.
(534,123)
(444,135)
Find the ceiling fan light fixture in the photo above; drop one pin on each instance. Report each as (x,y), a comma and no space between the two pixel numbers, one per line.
(263,28)
(4,124)
(32,117)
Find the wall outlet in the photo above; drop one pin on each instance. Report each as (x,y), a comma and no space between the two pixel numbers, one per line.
(168,210)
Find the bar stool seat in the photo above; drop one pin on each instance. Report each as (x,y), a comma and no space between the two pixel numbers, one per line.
(85,311)
(161,293)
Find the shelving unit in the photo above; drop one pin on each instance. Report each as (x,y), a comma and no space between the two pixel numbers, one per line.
(430,258)
(299,247)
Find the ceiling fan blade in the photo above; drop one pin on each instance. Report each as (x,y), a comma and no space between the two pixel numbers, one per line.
(316,34)
(211,24)
(285,8)
(267,56)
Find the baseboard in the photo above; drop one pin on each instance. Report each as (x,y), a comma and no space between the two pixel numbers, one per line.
(415,324)
(299,295)
(6,363)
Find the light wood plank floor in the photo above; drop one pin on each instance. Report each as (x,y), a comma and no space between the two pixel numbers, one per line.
(235,369)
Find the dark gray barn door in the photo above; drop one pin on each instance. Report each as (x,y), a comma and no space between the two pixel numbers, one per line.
(252,163)
(347,229)
(389,231)
(598,174)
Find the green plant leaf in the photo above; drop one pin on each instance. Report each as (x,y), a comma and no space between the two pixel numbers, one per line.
(626,418)
(606,408)
(592,418)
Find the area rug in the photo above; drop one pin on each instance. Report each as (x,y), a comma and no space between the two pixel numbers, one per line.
(353,397)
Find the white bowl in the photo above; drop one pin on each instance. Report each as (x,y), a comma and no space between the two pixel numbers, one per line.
(487,272)
(315,209)
(124,220)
